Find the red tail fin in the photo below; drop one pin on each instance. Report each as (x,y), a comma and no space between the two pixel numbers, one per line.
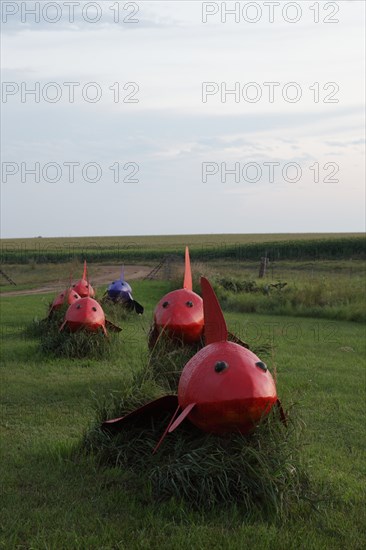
(187,283)
(215,325)
(84,272)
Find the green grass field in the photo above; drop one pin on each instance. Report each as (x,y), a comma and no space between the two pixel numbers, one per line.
(54,497)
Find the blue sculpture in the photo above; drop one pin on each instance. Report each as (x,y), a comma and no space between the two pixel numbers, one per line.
(120,292)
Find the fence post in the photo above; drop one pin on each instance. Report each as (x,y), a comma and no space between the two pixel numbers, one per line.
(263,266)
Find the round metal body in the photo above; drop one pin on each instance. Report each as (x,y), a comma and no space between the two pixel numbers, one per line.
(69,295)
(180,314)
(231,387)
(83,288)
(119,291)
(86,314)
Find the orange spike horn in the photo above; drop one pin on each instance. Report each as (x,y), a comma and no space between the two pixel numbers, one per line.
(187,283)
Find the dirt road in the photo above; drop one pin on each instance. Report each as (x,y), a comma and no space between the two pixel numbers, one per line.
(105,275)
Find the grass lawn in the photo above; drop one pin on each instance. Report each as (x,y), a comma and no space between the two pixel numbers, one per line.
(53,499)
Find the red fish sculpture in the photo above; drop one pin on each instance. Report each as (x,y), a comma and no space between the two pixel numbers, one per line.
(68,296)
(87,314)
(83,287)
(179,314)
(224,388)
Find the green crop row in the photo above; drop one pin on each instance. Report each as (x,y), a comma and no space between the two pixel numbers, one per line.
(308,249)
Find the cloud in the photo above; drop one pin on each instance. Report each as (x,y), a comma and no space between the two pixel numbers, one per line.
(82,17)
(170,131)
(345,144)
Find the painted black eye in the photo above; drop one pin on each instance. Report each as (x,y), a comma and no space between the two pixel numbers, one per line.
(78,306)
(94,308)
(221,366)
(75,295)
(189,304)
(87,286)
(262,365)
(62,295)
(165,304)
(73,286)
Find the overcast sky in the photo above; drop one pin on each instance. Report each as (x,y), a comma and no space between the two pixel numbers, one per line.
(150,118)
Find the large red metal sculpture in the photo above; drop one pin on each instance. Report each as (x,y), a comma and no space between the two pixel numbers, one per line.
(87,314)
(82,286)
(224,388)
(179,314)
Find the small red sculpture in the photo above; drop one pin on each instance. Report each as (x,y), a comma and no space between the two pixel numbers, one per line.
(83,287)
(68,296)
(179,314)
(87,314)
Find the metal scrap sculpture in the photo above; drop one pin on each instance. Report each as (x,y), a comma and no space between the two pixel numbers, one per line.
(87,314)
(82,286)
(68,296)
(179,314)
(224,388)
(120,292)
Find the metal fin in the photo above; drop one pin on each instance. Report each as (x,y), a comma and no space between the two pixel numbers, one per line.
(138,307)
(166,431)
(283,414)
(111,326)
(181,417)
(167,403)
(215,325)
(187,283)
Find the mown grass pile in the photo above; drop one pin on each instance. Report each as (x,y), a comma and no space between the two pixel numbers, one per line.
(72,345)
(76,345)
(262,473)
